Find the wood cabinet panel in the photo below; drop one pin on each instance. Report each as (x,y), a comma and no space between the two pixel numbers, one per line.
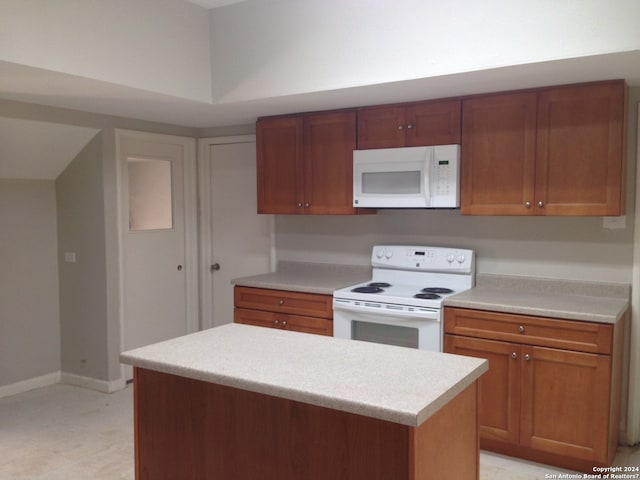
(295,311)
(565,403)
(381,127)
(566,399)
(551,332)
(433,123)
(282,301)
(284,321)
(579,169)
(409,125)
(279,165)
(194,430)
(305,164)
(498,154)
(329,142)
(499,388)
(550,151)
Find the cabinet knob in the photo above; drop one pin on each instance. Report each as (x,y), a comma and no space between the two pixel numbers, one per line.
(410,125)
(307,204)
(281,302)
(276,322)
(514,355)
(527,204)
(527,357)
(521,328)
(400,127)
(541,204)
(284,323)
(215,267)
(299,205)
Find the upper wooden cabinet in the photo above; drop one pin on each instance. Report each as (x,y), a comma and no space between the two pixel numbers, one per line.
(304,163)
(554,151)
(409,125)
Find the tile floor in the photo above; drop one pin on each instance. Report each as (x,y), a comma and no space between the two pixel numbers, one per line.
(70,433)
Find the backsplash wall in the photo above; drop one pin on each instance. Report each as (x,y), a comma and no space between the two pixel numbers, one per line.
(577,248)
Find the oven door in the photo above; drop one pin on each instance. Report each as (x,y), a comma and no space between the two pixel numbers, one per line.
(421,329)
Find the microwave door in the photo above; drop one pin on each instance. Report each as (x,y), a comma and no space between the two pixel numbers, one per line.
(388,179)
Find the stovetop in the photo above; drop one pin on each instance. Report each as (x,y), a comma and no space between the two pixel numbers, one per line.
(414,276)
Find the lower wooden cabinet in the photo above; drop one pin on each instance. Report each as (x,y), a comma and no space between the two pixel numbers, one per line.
(553,405)
(296,311)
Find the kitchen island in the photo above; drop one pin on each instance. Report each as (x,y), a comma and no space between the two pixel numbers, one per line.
(243,402)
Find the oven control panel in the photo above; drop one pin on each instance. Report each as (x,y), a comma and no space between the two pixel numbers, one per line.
(432,259)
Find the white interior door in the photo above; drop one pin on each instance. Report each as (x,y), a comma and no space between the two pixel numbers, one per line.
(237,241)
(156,256)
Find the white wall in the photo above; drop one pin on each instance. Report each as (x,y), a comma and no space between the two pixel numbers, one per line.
(83,292)
(571,248)
(29,318)
(270,48)
(156,45)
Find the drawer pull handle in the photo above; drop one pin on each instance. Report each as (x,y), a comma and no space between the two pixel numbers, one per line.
(521,328)
(514,355)
(527,357)
(281,302)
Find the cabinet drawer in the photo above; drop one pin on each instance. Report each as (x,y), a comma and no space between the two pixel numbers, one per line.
(296,323)
(281,301)
(546,332)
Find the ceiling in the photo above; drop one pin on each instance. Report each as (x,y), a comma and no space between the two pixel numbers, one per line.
(21,141)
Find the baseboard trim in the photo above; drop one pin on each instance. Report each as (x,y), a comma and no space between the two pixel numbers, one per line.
(93,383)
(30,384)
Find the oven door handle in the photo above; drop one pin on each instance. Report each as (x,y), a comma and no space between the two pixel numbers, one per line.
(420,312)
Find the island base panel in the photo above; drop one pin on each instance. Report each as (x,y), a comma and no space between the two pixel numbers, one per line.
(190,429)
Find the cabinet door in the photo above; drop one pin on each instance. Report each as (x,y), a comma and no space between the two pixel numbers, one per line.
(498,154)
(284,301)
(257,318)
(579,169)
(329,141)
(499,388)
(565,402)
(294,323)
(433,123)
(317,326)
(381,127)
(279,165)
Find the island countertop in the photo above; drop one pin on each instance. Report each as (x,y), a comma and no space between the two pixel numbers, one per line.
(395,384)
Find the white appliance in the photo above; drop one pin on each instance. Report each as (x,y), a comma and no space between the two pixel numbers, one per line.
(411,177)
(402,304)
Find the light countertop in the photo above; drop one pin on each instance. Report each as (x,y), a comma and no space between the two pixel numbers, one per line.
(395,384)
(308,277)
(572,300)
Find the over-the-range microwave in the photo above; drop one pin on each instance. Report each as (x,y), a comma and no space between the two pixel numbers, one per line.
(409,177)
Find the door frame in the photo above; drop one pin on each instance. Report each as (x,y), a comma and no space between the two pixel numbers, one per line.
(190,223)
(205,240)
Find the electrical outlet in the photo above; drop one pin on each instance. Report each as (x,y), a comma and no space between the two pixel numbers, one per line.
(614,223)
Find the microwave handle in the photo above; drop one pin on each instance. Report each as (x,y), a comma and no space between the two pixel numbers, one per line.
(428,174)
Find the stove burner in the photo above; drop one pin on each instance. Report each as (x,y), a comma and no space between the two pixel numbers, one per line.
(427,296)
(367,289)
(437,290)
(379,284)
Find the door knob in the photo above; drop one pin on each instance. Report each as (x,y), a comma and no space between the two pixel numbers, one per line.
(179,268)
(215,267)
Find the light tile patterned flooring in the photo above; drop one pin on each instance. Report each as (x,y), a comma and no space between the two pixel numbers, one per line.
(70,433)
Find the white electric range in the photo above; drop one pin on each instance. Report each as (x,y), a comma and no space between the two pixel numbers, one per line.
(402,304)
